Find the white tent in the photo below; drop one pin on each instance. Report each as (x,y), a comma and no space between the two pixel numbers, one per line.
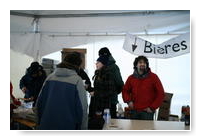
(38,33)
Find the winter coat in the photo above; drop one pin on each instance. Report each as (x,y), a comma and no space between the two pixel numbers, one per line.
(62,103)
(33,84)
(144,91)
(118,82)
(104,88)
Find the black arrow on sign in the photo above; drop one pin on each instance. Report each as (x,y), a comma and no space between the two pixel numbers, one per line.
(134,46)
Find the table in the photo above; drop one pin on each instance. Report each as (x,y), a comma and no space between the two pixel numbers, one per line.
(25,122)
(24,116)
(126,124)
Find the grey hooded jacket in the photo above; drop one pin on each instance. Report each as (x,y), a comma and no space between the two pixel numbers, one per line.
(62,103)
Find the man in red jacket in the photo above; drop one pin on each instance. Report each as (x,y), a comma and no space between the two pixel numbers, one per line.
(143,90)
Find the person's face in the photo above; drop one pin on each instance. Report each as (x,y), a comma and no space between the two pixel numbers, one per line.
(141,65)
(99,65)
(34,75)
(37,74)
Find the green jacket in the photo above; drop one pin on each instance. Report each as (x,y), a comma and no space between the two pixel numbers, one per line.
(117,78)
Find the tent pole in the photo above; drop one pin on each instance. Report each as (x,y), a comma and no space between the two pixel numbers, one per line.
(36,31)
(35,24)
(83,34)
(99,34)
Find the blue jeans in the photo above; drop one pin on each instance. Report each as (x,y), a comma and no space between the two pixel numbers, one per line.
(141,115)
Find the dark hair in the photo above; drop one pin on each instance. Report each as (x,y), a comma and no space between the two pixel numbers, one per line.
(73,58)
(34,64)
(137,59)
(72,61)
(104,51)
(34,68)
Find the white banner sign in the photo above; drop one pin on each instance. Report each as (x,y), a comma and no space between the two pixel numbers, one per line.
(174,47)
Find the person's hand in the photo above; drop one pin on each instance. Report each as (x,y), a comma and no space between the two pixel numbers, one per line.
(24,89)
(148,110)
(92,93)
(130,105)
(17,102)
(28,99)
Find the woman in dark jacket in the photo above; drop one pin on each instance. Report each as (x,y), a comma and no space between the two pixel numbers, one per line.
(103,87)
(118,82)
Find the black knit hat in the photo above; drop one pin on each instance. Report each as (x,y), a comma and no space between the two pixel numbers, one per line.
(104,51)
(103,59)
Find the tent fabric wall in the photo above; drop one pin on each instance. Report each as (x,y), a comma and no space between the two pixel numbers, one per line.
(21,24)
(27,43)
(37,45)
(18,65)
(115,24)
(55,33)
(126,23)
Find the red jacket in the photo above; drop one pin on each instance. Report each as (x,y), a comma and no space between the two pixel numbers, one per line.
(14,102)
(143,92)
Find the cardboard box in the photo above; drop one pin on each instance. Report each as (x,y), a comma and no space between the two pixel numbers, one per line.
(47,66)
(47,61)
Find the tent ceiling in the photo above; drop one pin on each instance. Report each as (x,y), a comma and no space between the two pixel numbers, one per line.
(37,33)
(43,13)
(87,13)
(99,21)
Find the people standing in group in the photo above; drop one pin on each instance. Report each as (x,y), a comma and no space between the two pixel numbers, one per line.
(62,102)
(143,90)
(118,82)
(31,83)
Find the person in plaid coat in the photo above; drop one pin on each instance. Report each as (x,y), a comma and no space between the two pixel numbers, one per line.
(103,86)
